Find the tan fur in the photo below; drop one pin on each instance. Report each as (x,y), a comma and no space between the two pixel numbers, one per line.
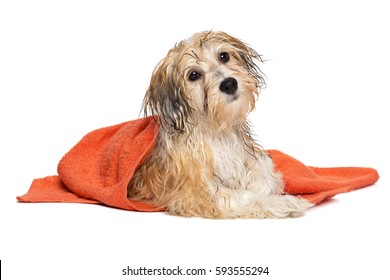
(206,162)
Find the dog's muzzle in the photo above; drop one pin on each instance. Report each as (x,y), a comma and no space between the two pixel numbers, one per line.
(229,86)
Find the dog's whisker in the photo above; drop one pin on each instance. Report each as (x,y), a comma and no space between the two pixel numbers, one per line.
(195,54)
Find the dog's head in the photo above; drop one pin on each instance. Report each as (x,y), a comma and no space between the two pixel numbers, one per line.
(209,78)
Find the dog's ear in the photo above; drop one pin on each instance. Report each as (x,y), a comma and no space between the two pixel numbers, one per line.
(248,56)
(166,97)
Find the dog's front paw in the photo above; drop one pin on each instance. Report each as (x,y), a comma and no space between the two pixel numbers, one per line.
(297,206)
(280,206)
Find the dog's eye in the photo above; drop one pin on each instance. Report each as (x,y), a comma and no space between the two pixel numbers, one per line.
(224,57)
(194,76)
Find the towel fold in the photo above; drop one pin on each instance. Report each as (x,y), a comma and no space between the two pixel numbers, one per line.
(98,168)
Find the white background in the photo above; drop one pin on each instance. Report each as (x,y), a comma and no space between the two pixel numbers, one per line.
(68,67)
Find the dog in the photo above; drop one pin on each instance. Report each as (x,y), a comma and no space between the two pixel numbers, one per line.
(206,162)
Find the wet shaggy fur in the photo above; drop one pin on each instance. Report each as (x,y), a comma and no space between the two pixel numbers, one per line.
(206,162)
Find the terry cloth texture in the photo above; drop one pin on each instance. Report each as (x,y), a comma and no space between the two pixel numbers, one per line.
(98,168)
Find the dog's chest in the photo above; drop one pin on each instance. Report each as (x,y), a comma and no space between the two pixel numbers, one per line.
(230,161)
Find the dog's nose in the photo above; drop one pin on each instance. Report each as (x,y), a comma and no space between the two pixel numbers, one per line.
(229,86)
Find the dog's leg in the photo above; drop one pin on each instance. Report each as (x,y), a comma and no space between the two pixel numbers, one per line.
(279,206)
(247,204)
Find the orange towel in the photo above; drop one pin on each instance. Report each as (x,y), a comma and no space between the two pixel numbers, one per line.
(99,167)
